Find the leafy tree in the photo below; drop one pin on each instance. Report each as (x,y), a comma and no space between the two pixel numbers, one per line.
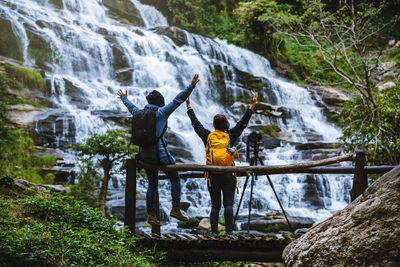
(355,120)
(108,149)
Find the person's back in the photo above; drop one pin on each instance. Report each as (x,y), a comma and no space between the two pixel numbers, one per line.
(221,182)
(157,153)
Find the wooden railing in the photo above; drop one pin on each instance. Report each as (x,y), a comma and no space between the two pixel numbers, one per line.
(360,180)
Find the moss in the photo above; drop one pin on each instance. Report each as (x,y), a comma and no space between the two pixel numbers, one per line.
(13,100)
(39,49)
(272,130)
(29,78)
(9,43)
(192,223)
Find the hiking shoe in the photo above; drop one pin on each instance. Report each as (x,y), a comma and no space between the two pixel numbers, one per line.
(177,214)
(231,235)
(152,219)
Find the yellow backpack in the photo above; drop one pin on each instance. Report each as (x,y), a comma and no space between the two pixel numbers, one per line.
(218,151)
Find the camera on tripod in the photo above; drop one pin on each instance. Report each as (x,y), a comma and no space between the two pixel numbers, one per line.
(254,141)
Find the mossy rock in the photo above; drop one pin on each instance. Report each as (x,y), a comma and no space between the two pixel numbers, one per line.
(9,43)
(270,129)
(39,49)
(29,78)
(192,223)
(124,11)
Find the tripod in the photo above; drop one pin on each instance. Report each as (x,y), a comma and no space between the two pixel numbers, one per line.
(253,162)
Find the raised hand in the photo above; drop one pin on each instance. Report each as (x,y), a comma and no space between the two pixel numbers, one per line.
(188,103)
(122,94)
(195,79)
(253,101)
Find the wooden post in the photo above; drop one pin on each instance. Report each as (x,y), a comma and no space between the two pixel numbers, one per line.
(360,181)
(157,229)
(130,195)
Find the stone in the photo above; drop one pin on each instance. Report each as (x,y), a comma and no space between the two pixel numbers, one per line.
(185,205)
(315,145)
(23,116)
(268,109)
(175,34)
(388,65)
(397,44)
(330,99)
(387,85)
(9,44)
(206,226)
(124,76)
(124,11)
(270,142)
(365,233)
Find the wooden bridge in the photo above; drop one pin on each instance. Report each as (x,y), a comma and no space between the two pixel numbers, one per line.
(199,248)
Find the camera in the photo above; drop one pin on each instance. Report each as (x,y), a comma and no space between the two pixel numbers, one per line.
(253,146)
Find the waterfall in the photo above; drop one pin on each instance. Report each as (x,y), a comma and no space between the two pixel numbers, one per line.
(94,55)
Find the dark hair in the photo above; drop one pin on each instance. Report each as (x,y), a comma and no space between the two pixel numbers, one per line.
(155,98)
(221,122)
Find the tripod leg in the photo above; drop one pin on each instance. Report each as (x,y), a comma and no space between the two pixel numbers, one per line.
(251,196)
(240,201)
(277,198)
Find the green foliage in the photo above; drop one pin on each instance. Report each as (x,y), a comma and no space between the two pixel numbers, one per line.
(3,110)
(89,178)
(109,149)
(29,78)
(360,128)
(56,230)
(206,17)
(19,161)
(14,100)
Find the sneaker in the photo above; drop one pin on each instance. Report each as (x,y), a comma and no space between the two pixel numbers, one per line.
(177,214)
(152,219)
(231,235)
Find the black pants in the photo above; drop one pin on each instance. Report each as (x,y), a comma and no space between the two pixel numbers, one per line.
(226,183)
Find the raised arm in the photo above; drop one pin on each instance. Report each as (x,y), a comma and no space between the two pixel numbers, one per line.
(198,127)
(174,104)
(124,97)
(236,131)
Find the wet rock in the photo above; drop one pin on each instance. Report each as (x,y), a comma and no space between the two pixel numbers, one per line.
(365,233)
(124,11)
(23,116)
(266,129)
(178,148)
(175,34)
(185,206)
(77,96)
(192,223)
(55,129)
(8,41)
(387,85)
(124,76)
(313,189)
(192,185)
(330,99)
(268,109)
(270,142)
(58,188)
(57,3)
(316,145)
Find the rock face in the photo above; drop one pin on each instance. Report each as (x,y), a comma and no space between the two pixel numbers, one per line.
(365,233)
(330,99)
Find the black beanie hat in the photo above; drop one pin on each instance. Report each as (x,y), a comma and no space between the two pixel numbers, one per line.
(155,98)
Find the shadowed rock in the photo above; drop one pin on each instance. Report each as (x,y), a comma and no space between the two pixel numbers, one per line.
(365,233)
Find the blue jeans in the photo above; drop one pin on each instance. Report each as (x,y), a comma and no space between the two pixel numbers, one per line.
(152,176)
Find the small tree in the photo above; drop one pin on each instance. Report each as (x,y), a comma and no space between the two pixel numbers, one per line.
(108,149)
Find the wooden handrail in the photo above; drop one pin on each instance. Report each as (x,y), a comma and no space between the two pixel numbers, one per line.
(271,169)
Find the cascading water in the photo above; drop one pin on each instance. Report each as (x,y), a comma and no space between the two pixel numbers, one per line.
(94,55)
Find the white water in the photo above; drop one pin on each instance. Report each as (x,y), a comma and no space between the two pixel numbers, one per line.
(82,36)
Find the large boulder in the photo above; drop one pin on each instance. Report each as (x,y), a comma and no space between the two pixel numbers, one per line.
(365,233)
(124,11)
(330,99)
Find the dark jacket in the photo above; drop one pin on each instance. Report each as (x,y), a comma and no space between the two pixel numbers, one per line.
(162,115)
(234,132)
